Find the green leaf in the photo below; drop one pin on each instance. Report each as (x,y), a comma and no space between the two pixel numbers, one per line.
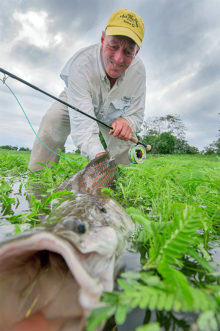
(169,302)
(162,301)
(121,313)
(149,327)
(207,321)
(144,301)
(98,316)
(135,301)
(203,262)
(177,280)
(153,300)
(126,286)
(150,279)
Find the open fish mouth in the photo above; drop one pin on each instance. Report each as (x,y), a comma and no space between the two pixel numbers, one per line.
(37,282)
(53,276)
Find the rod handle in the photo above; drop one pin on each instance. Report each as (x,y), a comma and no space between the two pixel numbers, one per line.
(135,140)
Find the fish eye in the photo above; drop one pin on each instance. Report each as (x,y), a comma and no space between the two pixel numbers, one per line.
(74,224)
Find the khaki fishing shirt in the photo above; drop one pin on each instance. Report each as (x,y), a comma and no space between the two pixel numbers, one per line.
(88,89)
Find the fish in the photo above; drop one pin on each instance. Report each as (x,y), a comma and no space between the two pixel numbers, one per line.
(52,276)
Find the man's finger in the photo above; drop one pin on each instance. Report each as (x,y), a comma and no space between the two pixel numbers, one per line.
(121,129)
(117,129)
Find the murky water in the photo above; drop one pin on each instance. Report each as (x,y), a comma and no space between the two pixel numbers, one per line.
(20,206)
(23,205)
(6,228)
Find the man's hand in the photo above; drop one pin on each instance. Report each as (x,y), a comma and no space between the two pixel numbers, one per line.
(121,129)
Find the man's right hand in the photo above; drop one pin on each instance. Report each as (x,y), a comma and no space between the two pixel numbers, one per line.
(121,129)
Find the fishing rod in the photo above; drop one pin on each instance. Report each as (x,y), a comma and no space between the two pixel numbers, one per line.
(139,154)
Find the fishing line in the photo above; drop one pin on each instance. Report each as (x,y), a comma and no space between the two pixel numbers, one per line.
(63,157)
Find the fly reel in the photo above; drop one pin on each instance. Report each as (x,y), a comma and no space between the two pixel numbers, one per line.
(137,154)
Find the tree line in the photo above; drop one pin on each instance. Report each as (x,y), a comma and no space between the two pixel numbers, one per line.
(15,148)
(166,135)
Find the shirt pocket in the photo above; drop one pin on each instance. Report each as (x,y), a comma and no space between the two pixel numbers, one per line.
(117,108)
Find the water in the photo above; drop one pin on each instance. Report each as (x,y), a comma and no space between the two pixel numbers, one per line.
(6,229)
(17,193)
(20,206)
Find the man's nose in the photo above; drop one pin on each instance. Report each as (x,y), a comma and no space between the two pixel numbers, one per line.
(119,57)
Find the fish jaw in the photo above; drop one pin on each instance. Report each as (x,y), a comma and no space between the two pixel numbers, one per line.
(27,287)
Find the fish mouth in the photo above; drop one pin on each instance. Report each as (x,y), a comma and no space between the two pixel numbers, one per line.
(42,276)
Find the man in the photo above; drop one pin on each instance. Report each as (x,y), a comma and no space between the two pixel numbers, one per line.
(106,81)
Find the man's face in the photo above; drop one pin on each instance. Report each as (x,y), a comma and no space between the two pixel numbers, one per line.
(117,54)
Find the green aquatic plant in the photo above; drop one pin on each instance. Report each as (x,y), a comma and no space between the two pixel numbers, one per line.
(6,201)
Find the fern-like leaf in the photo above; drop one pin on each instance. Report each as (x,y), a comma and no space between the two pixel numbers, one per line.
(175,280)
(149,327)
(176,240)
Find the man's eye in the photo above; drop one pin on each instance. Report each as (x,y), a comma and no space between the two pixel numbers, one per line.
(127,53)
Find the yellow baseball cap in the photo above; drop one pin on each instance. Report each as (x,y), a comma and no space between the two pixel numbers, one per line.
(127,23)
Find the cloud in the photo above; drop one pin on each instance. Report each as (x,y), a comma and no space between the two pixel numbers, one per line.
(34,29)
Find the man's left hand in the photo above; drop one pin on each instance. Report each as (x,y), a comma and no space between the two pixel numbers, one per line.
(121,129)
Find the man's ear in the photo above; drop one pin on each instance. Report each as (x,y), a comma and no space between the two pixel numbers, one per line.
(102,38)
(137,51)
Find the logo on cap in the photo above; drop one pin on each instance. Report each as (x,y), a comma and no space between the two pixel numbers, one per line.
(130,19)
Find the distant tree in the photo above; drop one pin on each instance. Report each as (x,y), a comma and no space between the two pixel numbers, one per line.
(162,144)
(150,140)
(192,150)
(24,149)
(9,147)
(182,147)
(169,123)
(213,148)
(165,143)
(166,135)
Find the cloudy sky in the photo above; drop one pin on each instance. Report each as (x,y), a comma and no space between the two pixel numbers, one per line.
(181,52)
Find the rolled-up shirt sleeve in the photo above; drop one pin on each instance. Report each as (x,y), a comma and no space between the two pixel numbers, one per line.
(135,112)
(84,131)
